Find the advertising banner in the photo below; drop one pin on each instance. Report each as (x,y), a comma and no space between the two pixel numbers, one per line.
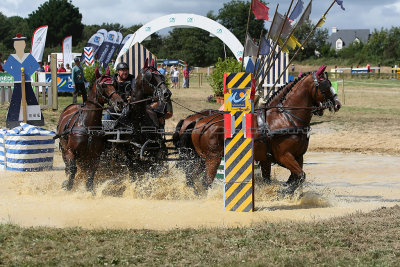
(105,48)
(64,81)
(67,50)
(94,42)
(38,42)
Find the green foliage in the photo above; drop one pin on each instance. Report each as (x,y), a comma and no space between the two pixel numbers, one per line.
(89,72)
(216,79)
(234,15)
(63,19)
(317,42)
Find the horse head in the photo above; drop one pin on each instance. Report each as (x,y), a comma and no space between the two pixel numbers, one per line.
(152,84)
(325,94)
(105,90)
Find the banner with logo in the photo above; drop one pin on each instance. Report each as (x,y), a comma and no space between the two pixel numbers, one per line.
(95,42)
(67,50)
(103,32)
(64,80)
(104,50)
(38,42)
(123,42)
(6,77)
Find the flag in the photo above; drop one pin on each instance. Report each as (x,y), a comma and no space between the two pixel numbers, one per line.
(106,46)
(259,10)
(103,32)
(95,42)
(306,15)
(38,42)
(292,43)
(340,3)
(321,21)
(67,50)
(250,48)
(265,47)
(284,48)
(297,10)
(123,42)
(250,65)
(277,26)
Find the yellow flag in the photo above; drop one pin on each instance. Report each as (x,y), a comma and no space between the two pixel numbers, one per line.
(321,21)
(291,42)
(284,49)
(297,42)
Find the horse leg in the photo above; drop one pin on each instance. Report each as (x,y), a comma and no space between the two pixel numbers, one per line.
(72,169)
(90,180)
(265,166)
(212,165)
(288,160)
(292,175)
(193,170)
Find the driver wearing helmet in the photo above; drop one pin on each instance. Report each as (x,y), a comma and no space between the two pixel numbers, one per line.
(125,81)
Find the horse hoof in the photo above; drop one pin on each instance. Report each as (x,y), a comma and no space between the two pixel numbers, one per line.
(267,180)
(67,185)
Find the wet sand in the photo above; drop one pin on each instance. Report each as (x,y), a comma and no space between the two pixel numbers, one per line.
(337,184)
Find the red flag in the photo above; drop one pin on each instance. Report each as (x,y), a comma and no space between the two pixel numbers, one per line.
(259,10)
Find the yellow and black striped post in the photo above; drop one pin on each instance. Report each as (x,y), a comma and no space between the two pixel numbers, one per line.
(239,129)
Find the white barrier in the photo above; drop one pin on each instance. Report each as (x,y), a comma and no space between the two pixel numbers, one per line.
(28,148)
(2,149)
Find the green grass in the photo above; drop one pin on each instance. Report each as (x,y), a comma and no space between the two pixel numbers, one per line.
(361,239)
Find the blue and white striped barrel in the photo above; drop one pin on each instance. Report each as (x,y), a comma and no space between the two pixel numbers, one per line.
(2,149)
(28,148)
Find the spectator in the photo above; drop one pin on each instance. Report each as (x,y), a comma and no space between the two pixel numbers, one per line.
(78,81)
(61,68)
(68,68)
(41,69)
(175,76)
(162,70)
(186,75)
(46,67)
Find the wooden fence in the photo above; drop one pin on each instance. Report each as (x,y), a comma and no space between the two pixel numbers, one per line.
(43,93)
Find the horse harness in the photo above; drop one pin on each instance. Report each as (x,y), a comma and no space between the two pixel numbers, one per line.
(294,130)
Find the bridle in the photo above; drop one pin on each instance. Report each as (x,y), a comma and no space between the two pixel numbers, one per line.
(157,88)
(320,84)
(100,86)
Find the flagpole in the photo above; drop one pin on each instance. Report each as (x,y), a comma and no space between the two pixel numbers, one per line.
(305,41)
(268,34)
(276,43)
(286,41)
(247,33)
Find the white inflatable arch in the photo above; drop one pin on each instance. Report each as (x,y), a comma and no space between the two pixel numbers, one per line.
(185,20)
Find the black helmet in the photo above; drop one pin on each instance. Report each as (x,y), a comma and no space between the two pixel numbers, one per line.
(76,59)
(122,65)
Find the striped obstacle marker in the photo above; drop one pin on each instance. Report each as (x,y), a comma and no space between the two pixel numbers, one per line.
(28,148)
(89,56)
(238,154)
(2,149)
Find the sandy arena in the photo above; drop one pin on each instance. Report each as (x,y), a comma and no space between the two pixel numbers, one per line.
(338,184)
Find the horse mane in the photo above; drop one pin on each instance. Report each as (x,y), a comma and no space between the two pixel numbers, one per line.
(283,91)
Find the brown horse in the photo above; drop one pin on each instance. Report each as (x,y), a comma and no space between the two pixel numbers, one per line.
(283,138)
(80,146)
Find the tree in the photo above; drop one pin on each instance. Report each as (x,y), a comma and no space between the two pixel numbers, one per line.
(63,19)
(317,42)
(234,15)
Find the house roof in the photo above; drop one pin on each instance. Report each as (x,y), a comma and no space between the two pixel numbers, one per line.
(348,36)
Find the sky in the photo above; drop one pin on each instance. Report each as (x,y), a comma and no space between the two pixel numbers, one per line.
(359,14)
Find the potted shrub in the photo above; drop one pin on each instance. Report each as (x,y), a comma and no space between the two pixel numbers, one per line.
(216,78)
